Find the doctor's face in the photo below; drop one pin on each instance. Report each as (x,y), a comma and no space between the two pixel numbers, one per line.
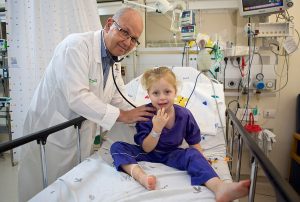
(162,94)
(121,35)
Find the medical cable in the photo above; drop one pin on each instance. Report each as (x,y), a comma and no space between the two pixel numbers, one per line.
(238,59)
(114,79)
(113,75)
(219,154)
(261,61)
(218,109)
(238,93)
(249,72)
(214,92)
(122,153)
(212,74)
(286,63)
(237,105)
(183,53)
(298,43)
(193,89)
(225,60)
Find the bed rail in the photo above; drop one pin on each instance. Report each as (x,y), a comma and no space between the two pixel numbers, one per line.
(41,138)
(284,192)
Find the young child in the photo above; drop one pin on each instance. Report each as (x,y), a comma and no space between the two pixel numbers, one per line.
(159,140)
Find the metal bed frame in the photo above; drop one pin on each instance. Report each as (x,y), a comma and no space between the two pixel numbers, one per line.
(284,192)
(41,138)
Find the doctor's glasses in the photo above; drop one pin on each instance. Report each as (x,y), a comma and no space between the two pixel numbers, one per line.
(125,35)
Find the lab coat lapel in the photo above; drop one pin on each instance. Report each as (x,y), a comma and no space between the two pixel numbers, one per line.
(109,87)
(100,92)
(107,93)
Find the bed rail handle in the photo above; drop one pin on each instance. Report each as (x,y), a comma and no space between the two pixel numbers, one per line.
(41,138)
(78,126)
(239,158)
(44,164)
(40,135)
(284,190)
(253,177)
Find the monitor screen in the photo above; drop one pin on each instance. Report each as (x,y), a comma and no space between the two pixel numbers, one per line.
(257,7)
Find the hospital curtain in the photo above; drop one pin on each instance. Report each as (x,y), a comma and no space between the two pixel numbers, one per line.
(34,28)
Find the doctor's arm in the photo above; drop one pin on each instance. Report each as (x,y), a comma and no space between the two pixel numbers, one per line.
(73,81)
(128,114)
(136,114)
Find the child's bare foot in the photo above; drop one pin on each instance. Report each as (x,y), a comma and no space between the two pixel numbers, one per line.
(148,181)
(229,191)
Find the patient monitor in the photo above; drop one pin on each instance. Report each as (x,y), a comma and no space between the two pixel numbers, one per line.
(188,26)
(250,7)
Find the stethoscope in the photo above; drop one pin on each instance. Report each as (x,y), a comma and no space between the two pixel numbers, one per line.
(115,59)
(114,79)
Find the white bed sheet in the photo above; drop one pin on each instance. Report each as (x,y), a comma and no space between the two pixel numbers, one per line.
(95,179)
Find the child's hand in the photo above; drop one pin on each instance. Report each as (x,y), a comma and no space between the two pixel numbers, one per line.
(160,120)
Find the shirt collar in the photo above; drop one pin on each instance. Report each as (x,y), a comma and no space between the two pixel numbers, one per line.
(104,52)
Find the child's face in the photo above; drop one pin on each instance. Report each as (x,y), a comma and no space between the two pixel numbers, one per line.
(162,94)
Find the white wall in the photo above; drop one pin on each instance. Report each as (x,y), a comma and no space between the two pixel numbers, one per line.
(285,122)
(207,22)
(284,103)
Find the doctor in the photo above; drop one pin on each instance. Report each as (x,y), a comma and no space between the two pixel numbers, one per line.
(78,82)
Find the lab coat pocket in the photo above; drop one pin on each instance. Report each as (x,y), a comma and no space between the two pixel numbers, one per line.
(65,138)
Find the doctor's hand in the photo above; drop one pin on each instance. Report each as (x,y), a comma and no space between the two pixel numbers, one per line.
(160,120)
(137,114)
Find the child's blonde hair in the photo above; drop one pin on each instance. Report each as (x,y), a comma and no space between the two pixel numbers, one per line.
(153,75)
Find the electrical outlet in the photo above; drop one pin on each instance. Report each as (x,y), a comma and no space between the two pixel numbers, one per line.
(232,83)
(236,51)
(269,113)
(241,111)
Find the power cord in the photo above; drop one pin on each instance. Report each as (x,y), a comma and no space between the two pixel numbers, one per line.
(226,61)
(238,60)
(193,89)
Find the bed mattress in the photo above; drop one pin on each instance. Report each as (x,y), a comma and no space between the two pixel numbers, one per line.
(96,179)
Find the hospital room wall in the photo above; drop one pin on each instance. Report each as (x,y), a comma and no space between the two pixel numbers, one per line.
(207,22)
(285,122)
(283,102)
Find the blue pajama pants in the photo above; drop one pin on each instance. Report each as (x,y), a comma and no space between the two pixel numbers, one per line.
(189,159)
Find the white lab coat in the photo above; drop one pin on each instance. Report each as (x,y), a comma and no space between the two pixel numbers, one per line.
(71,87)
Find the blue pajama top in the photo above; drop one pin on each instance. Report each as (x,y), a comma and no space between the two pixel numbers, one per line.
(185,127)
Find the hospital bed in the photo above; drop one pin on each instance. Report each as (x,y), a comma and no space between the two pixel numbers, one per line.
(95,178)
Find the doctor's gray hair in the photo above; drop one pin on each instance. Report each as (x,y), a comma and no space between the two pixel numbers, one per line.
(123,11)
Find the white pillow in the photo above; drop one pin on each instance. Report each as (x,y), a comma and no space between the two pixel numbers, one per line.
(202,102)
